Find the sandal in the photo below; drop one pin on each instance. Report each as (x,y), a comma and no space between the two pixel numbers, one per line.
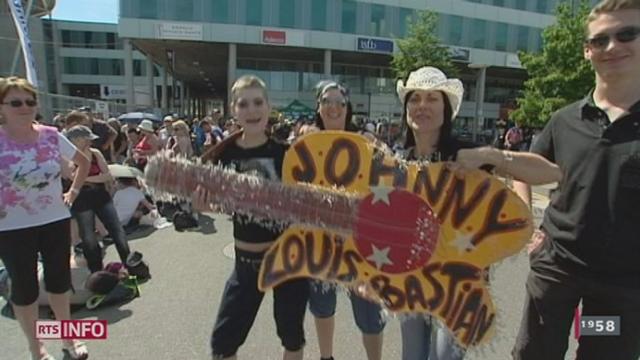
(76,351)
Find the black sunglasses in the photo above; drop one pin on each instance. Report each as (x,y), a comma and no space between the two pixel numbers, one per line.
(18,103)
(624,35)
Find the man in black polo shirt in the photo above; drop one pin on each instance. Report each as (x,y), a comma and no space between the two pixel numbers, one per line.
(589,244)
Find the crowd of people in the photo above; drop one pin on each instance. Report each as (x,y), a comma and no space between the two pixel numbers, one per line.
(583,252)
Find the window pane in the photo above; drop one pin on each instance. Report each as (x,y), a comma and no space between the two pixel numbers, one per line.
(498,3)
(220,11)
(287,13)
(502,34)
(254,12)
(147,9)
(182,10)
(406,16)
(378,25)
(349,16)
(523,38)
(521,4)
(478,34)
(541,6)
(455,30)
(318,14)
(537,46)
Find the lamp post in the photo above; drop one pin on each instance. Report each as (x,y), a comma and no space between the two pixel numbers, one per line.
(480,87)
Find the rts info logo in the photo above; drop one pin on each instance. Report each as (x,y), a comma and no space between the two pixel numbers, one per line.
(71,329)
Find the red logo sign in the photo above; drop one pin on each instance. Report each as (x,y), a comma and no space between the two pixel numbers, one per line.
(274,37)
(71,329)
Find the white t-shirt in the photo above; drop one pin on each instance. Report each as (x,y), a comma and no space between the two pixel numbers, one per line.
(30,184)
(126,202)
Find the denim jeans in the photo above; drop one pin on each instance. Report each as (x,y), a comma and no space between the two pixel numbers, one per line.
(368,315)
(417,338)
(87,226)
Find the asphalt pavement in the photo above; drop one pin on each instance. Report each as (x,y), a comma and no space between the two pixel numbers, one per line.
(174,316)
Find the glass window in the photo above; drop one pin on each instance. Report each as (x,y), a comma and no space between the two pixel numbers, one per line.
(287,13)
(139,68)
(406,17)
(378,23)
(455,29)
(220,11)
(521,4)
(479,34)
(541,6)
(182,10)
(537,39)
(349,16)
(502,36)
(498,3)
(523,38)
(318,14)
(147,9)
(254,12)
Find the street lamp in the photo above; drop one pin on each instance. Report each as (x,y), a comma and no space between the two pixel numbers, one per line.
(480,86)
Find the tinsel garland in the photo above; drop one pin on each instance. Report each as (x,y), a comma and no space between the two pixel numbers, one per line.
(171,177)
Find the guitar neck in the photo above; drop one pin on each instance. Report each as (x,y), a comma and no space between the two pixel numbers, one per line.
(250,195)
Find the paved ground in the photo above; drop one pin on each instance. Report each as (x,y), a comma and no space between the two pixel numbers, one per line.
(174,316)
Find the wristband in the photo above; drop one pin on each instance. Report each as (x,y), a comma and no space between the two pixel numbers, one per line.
(74,191)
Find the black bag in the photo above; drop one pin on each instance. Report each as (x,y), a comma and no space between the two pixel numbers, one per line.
(137,267)
(183,220)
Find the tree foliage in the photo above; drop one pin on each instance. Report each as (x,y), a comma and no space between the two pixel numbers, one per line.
(559,75)
(421,47)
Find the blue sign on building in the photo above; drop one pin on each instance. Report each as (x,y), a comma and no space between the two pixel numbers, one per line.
(376,45)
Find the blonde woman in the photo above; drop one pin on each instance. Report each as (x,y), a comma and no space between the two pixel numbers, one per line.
(34,217)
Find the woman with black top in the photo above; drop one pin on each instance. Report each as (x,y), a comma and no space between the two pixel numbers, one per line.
(430,103)
(94,200)
(252,151)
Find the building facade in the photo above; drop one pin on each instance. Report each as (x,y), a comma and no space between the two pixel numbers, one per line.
(292,44)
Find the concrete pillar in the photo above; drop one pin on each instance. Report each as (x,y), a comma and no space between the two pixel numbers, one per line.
(327,63)
(182,105)
(165,96)
(231,67)
(128,74)
(151,86)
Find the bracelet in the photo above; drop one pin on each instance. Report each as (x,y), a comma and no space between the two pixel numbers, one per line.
(74,191)
(507,158)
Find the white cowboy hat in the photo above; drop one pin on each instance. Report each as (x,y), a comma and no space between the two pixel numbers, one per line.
(146,125)
(430,78)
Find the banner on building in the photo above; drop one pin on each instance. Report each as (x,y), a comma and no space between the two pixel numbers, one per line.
(180,31)
(20,21)
(374,45)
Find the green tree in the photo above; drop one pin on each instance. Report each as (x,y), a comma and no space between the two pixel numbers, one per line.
(421,47)
(559,75)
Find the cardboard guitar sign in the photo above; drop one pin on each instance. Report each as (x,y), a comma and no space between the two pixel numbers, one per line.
(419,236)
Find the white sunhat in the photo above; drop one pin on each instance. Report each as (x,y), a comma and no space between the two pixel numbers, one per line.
(430,78)
(146,125)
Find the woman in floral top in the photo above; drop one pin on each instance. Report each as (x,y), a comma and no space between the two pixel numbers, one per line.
(34,213)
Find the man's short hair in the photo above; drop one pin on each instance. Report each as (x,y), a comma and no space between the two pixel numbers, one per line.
(607,6)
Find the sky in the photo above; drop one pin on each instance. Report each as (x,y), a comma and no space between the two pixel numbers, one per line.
(104,11)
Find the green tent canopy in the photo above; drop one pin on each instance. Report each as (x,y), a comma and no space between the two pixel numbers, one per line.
(297,109)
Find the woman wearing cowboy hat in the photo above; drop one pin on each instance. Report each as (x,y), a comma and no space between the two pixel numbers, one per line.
(430,103)
(149,145)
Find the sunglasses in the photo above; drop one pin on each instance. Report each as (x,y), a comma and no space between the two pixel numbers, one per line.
(624,35)
(337,102)
(19,103)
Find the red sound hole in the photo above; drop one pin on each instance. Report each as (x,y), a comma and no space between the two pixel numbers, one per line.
(397,237)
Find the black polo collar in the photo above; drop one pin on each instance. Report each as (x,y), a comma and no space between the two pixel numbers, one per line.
(591,111)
